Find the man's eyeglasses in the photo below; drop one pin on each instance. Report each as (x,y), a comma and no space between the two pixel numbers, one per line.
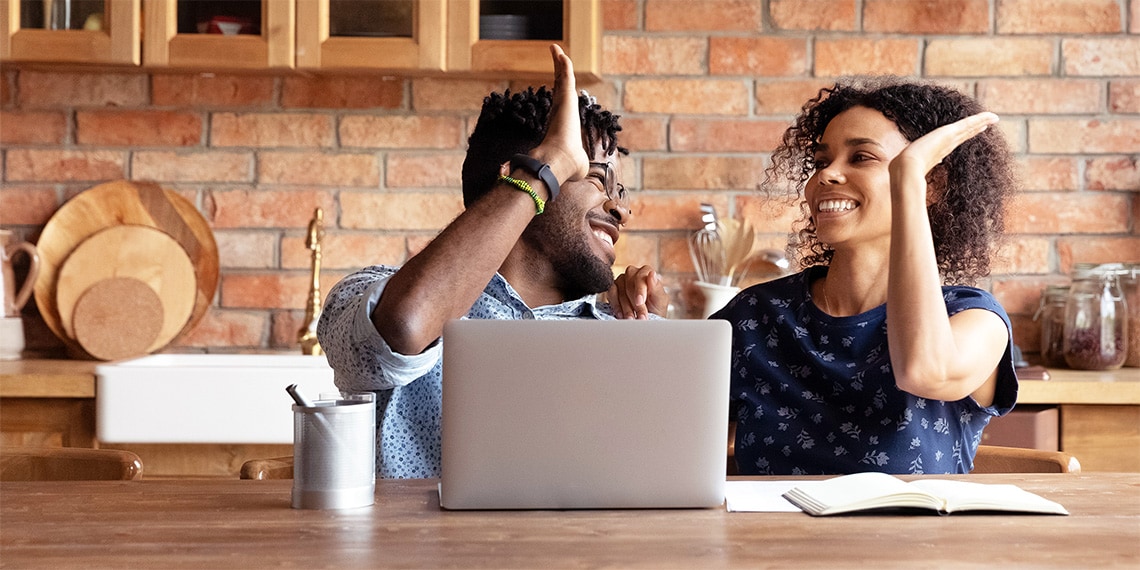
(604,172)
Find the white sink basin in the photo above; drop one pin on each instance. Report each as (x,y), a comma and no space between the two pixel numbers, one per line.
(204,398)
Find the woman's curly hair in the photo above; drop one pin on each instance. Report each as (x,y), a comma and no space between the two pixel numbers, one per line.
(969,188)
(513,123)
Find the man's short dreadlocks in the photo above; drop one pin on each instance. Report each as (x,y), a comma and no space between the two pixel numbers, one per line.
(512,123)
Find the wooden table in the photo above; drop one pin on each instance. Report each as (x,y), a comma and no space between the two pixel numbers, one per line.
(249,524)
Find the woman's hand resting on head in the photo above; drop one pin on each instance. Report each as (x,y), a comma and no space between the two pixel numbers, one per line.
(921,156)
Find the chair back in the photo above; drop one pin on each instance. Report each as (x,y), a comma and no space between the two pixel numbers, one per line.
(68,464)
(272,468)
(998,459)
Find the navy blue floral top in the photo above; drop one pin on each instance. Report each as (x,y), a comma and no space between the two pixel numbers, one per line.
(815,394)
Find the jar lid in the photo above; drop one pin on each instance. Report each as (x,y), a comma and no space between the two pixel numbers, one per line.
(1087,270)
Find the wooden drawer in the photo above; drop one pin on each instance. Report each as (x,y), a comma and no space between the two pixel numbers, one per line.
(1032,427)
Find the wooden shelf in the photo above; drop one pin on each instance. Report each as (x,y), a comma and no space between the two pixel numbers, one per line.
(47,378)
(1113,387)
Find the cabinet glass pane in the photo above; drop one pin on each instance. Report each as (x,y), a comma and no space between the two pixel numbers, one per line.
(372,18)
(62,14)
(520,19)
(225,17)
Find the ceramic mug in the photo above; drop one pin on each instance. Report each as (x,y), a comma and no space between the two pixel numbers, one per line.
(14,298)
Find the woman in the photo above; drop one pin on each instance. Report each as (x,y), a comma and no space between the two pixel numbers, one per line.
(902,186)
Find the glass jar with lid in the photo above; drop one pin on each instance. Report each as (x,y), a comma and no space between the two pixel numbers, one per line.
(1130,283)
(1051,315)
(1096,318)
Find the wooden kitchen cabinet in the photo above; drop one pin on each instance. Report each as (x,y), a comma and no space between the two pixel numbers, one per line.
(47,422)
(1030,427)
(27,34)
(471,37)
(389,35)
(1099,414)
(49,403)
(580,36)
(1102,438)
(175,34)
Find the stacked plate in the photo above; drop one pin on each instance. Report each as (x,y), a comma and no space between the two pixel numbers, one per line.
(126,268)
(503,27)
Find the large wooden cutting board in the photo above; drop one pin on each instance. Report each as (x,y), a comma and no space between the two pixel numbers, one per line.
(141,252)
(124,202)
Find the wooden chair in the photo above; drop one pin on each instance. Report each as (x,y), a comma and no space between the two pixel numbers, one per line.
(731,467)
(68,464)
(998,459)
(272,468)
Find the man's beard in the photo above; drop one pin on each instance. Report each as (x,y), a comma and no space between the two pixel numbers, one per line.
(579,270)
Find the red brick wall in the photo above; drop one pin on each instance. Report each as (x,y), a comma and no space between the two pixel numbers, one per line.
(705,88)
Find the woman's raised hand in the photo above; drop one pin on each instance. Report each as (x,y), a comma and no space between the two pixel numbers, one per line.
(562,147)
(926,152)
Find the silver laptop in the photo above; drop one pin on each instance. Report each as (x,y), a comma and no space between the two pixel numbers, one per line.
(584,414)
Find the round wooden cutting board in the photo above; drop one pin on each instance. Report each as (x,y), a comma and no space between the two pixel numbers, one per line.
(141,252)
(124,202)
(117,318)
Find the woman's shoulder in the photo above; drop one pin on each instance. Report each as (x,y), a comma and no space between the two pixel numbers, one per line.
(960,298)
(961,294)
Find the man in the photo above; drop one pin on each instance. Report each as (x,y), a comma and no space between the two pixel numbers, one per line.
(544,207)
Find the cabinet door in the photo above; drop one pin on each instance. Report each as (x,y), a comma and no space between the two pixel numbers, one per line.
(502,35)
(219,34)
(70,31)
(396,35)
(48,422)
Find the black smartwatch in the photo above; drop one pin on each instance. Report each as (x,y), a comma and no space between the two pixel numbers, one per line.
(539,170)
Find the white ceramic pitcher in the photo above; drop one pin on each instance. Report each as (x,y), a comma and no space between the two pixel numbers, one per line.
(16,297)
(11,326)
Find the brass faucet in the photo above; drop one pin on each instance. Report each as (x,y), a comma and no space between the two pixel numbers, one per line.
(307,335)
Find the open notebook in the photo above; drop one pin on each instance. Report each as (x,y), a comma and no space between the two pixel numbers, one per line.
(584,414)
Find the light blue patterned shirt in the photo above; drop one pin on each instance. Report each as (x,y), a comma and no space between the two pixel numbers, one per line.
(408,387)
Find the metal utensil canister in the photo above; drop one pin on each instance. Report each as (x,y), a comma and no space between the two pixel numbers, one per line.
(334,452)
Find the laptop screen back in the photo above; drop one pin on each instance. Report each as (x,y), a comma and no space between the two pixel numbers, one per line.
(584,414)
